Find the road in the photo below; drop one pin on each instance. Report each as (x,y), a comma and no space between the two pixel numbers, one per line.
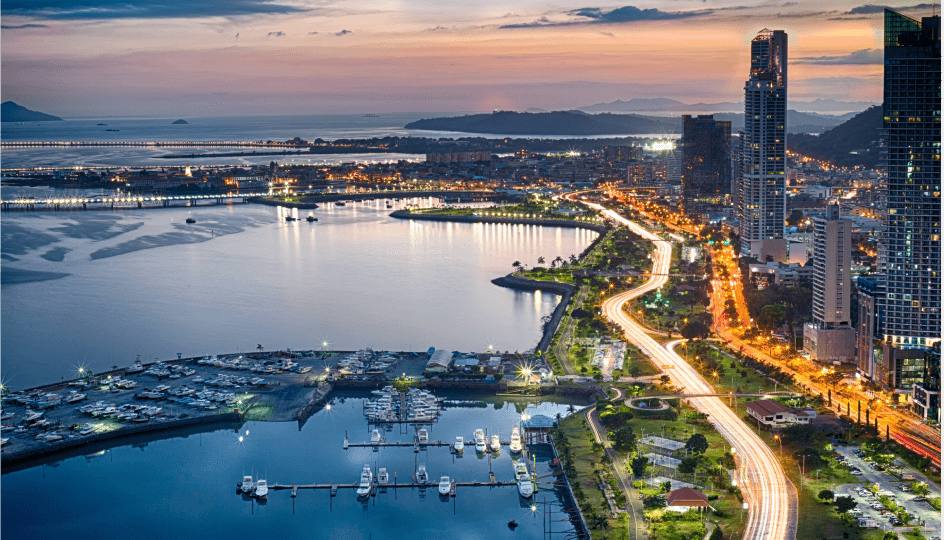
(633,504)
(771,499)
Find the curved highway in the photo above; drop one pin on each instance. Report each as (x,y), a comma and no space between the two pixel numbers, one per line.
(771,498)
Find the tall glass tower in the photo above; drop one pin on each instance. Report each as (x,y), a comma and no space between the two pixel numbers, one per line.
(911,245)
(762,193)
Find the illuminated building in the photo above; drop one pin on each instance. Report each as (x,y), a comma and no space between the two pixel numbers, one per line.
(910,251)
(762,191)
(706,162)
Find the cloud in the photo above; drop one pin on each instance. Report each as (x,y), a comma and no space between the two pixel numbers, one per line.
(276,34)
(860,57)
(343,32)
(870,9)
(143,9)
(620,15)
(21,26)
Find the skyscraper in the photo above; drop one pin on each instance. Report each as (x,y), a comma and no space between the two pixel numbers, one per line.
(831,337)
(706,162)
(910,252)
(762,194)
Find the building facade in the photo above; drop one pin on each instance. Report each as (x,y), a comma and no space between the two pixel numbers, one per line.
(706,163)
(910,252)
(869,324)
(762,191)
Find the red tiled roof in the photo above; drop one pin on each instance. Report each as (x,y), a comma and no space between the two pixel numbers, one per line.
(686,497)
(768,407)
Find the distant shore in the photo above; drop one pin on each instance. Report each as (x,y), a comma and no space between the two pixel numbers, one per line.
(545,222)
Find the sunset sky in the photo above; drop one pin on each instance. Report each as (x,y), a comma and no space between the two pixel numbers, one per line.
(230,57)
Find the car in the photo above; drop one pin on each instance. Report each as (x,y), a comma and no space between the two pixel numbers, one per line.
(920,498)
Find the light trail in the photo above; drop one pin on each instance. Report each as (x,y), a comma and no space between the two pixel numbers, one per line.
(771,498)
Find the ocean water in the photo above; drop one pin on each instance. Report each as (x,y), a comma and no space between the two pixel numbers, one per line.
(102,288)
(184,486)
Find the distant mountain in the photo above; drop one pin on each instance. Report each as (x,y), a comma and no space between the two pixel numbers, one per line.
(660,105)
(550,123)
(580,123)
(14,112)
(856,141)
(668,106)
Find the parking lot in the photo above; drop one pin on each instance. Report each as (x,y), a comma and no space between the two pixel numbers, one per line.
(869,506)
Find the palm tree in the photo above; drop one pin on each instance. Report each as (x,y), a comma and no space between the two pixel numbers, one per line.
(516,265)
(557,261)
(541,259)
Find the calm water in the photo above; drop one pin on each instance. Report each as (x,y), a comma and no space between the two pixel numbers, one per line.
(149,491)
(123,284)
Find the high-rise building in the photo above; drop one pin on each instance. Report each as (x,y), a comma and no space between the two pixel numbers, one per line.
(831,337)
(910,251)
(706,163)
(762,193)
(869,324)
(926,395)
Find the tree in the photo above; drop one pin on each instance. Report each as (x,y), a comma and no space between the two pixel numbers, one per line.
(826,495)
(695,330)
(844,504)
(516,265)
(772,316)
(688,465)
(638,465)
(541,259)
(697,444)
(890,535)
(920,488)
(624,438)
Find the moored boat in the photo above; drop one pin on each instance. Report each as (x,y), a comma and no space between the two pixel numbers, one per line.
(515,445)
(459,445)
(422,435)
(479,437)
(383,477)
(366,485)
(495,443)
(247,485)
(445,485)
(262,489)
(421,476)
(525,485)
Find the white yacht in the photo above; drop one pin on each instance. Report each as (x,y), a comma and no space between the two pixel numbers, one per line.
(515,440)
(479,436)
(32,416)
(494,443)
(445,485)
(262,489)
(367,482)
(383,477)
(422,477)
(247,485)
(422,436)
(459,445)
(525,485)
(376,436)
(75,397)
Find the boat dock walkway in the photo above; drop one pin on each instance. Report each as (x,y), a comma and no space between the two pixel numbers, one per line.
(395,485)
(410,444)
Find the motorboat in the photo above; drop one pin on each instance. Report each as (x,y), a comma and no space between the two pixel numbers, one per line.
(75,397)
(383,477)
(32,416)
(137,367)
(262,489)
(190,221)
(422,477)
(340,203)
(291,218)
(494,443)
(366,484)
(311,219)
(445,485)
(459,445)
(422,435)
(247,485)
(515,440)
(479,436)
(525,485)
(376,437)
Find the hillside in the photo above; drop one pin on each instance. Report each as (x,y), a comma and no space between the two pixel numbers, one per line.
(550,123)
(854,142)
(14,112)
(578,123)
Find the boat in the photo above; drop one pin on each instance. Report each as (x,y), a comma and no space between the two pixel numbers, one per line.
(32,416)
(422,477)
(479,436)
(494,443)
(247,485)
(383,477)
(512,524)
(389,205)
(262,489)
(340,203)
(367,482)
(422,436)
(291,218)
(75,397)
(137,367)
(311,219)
(525,485)
(191,221)
(376,436)
(515,440)
(459,444)
(445,485)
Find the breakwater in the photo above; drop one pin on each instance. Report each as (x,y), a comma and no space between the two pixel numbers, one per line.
(460,218)
(565,291)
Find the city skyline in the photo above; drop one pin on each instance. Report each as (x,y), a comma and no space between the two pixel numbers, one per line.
(94,57)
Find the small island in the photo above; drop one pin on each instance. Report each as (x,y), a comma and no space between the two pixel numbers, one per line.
(10,111)
(179,122)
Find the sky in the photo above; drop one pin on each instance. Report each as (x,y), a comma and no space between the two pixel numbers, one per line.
(243,57)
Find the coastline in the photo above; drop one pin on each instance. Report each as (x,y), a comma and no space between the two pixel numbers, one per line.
(544,222)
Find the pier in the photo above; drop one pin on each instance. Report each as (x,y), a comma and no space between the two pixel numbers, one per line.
(127,202)
(394,485)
